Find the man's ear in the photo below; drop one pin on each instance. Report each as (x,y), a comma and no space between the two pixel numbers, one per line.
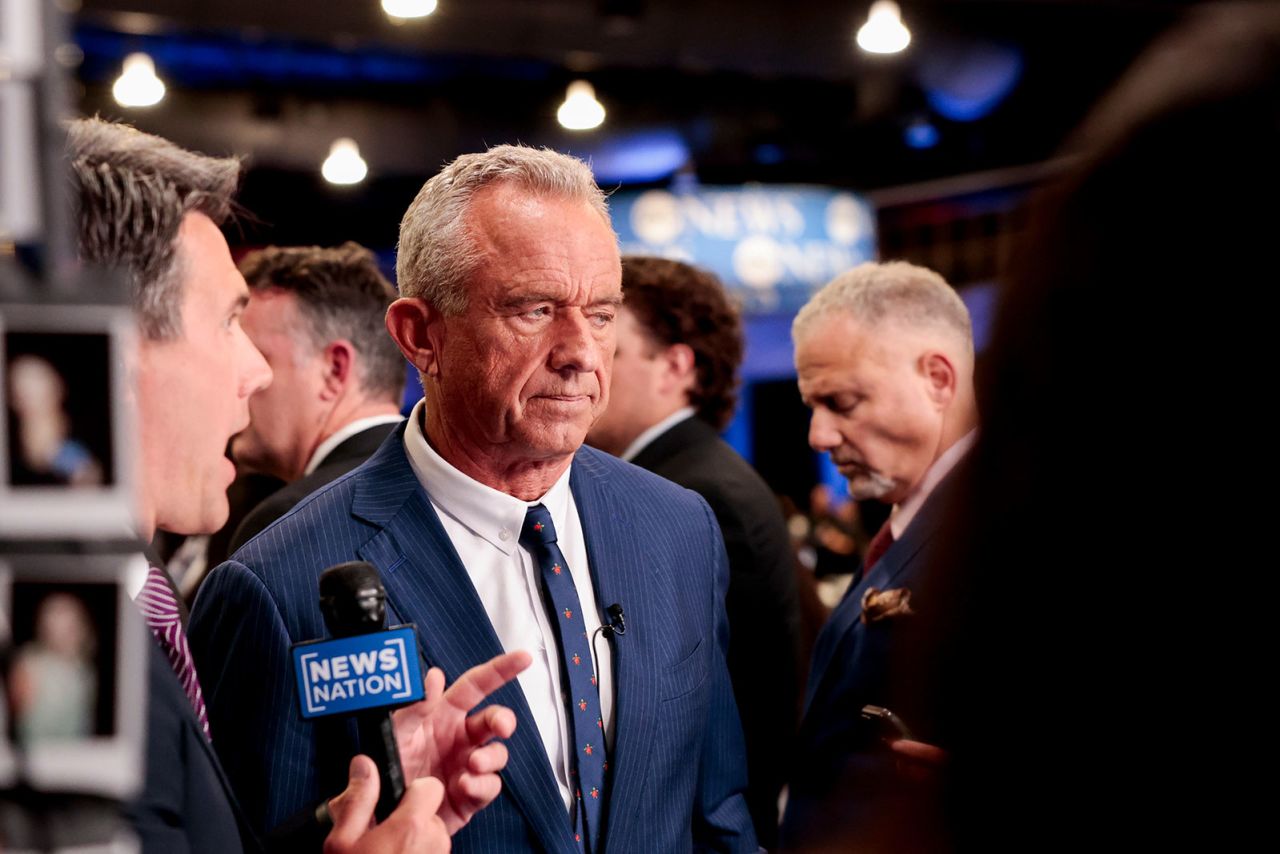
(339,359)
(679,367)
(940,376)
(415,325)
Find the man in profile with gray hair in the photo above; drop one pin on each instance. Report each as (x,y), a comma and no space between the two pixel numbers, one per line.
(151,211)
(884,357)
(495,529)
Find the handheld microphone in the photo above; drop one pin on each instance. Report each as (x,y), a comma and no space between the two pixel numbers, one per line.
(365,669)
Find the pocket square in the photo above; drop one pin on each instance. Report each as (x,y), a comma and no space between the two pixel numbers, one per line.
(883,604)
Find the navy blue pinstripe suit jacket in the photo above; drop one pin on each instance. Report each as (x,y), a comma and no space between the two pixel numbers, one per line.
(677,768)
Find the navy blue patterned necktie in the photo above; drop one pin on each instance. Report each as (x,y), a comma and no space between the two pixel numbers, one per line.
(586,724)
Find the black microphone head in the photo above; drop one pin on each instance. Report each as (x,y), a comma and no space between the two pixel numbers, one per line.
(617,619)
(352,599)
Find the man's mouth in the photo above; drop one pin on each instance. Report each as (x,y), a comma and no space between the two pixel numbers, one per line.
(565,398)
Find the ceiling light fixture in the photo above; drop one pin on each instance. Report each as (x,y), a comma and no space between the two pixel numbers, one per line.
(580,110)
(884,31)
(344,165)
(138,85)
(405,9)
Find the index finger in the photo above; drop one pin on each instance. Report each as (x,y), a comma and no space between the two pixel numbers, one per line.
(483,679)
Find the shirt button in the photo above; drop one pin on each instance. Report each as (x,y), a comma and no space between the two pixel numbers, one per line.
(504,535)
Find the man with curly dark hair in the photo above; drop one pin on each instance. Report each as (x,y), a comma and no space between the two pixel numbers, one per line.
(675,379)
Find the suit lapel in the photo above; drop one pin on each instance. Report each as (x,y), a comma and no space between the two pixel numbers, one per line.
(619,575)
(195,735)
(887,573)
(360,446)
(683,435)
(427,584)
(247,836)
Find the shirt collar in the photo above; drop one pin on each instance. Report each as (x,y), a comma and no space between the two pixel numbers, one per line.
(492,515)
(343,434)
(646,438)
(906,511)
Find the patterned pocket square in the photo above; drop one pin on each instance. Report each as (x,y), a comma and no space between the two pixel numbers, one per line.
(884,604)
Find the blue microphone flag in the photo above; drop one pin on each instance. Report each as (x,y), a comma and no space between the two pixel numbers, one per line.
(367,671)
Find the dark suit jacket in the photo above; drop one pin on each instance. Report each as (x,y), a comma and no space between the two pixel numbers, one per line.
(763,603)
(186,804)
(843,773)
(342,459)
(676,770)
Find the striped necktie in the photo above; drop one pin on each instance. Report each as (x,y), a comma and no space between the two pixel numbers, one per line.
(159,608)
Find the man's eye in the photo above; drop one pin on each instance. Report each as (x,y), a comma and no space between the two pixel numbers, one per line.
(539,312)
(837,405)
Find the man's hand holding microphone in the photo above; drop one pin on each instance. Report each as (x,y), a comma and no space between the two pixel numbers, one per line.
(445,759)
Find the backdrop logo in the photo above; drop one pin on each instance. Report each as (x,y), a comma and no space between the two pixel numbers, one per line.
(773,245)
(358,672)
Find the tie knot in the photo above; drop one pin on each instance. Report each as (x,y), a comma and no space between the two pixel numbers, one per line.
(538,528)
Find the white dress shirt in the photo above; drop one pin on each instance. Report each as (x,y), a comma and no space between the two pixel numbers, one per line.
(344,433)
(903,513)
(484,527)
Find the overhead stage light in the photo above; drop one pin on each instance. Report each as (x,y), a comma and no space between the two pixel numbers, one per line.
(138,85)
(580,110)
(406,9)
(884,31)
(344,165)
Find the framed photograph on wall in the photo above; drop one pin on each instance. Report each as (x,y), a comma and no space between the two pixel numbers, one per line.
(66,447)
(75,682)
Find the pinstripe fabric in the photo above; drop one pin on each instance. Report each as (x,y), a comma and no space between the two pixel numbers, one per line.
(677,766)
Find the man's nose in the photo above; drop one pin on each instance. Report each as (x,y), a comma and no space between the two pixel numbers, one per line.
(576,348)
(823,435)
(256,373)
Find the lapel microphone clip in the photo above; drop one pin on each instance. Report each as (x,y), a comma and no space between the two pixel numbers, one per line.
(617,621)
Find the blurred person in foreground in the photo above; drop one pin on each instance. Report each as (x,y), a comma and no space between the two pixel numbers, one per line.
(151,210)
(884,358)
(1078,682)
(675,376)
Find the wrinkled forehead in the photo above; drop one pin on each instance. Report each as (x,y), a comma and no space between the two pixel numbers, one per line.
(521,238)
(838,351)
(503,206)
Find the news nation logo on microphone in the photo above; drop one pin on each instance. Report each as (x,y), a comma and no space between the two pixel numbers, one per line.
(358,672)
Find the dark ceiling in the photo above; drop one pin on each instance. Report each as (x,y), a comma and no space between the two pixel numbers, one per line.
(752,90)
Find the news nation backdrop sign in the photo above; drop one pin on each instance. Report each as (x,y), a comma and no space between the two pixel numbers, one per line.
(358,672)
(773,245)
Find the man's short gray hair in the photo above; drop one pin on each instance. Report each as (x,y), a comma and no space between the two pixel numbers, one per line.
(133,191)
(436,253)
(898,292)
